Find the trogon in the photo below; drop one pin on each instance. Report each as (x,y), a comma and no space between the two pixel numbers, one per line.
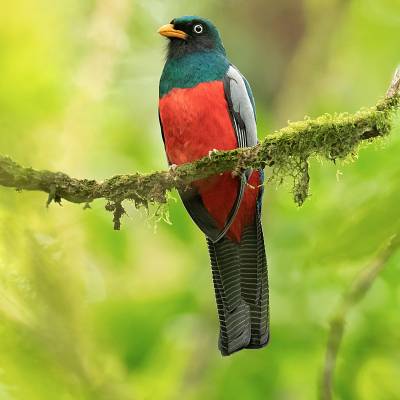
(206,104)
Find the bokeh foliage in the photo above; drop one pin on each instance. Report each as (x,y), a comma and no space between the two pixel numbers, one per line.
(89,313)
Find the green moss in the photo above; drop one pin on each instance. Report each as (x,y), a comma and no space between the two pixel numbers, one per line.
(332,137)
(286,152)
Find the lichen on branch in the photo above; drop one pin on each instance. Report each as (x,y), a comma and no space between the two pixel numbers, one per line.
(286,152)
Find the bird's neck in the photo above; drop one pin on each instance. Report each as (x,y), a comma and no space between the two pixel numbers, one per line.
(191,69)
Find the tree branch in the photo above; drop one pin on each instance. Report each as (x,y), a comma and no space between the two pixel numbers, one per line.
(358,289)
(286,151)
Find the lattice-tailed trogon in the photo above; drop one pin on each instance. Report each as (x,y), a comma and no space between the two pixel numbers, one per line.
(206,104)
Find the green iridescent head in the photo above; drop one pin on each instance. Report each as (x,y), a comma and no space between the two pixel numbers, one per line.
(191,34)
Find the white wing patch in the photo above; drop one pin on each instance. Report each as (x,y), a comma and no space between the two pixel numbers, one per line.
(243,108)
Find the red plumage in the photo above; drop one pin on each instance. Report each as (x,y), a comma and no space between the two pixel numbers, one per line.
(195,121)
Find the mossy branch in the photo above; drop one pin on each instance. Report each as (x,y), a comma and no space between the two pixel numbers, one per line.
(286,151)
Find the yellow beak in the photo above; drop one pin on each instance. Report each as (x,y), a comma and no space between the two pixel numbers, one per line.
(169,31)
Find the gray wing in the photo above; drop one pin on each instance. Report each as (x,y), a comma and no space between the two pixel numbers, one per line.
(241,106)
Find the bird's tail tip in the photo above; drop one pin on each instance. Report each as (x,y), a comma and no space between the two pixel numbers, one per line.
(231,341)
(235,329)
(243,343)
(259,343)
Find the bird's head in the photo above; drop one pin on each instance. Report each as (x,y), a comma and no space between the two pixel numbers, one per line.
(191,34)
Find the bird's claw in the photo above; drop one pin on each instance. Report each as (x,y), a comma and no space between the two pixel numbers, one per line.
(211,152)
(173,167)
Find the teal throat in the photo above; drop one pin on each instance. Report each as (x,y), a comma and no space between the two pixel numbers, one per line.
(194,68)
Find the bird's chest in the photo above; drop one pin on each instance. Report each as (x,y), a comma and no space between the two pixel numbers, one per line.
(195,121)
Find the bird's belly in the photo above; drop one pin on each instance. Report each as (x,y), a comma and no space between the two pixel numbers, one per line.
(196,121)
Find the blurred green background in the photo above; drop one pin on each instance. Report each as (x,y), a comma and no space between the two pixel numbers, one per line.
(90,313)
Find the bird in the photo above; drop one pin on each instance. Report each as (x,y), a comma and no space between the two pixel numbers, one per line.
(206,104)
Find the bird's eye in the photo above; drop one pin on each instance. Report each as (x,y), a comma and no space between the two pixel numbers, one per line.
(198,29)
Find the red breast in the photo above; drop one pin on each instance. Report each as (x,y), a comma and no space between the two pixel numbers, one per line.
(196,121)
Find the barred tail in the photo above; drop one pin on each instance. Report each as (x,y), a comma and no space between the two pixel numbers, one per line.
(241,289)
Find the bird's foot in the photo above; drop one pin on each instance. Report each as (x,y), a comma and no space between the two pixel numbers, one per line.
(251,186)
(211,152)
(172,167)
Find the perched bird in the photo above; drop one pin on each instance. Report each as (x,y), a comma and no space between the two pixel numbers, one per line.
(206,104)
